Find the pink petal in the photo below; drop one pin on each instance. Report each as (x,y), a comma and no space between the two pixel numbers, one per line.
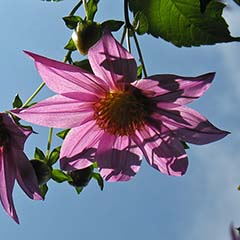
(58,112)
(61,77)
(163,152)
(7,178)
(79,147)
(20,134)
(118,158)
(111,62)
(190,126)
(26,176)
(175,89)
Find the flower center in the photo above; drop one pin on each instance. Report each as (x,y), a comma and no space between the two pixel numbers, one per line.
(122,112)
(4,135)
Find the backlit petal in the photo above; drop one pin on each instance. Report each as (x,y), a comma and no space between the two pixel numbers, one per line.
(7,178)
(111,62)
(118,158)
(175,89)
(79,147)
(189,125)
(163,152)
(61,77)
(26,176)
(58,112)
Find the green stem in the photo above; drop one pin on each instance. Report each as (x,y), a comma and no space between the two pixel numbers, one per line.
(75,8)
(140,54)
(128,40)
(123,35)
(49,143)
(85,8)
(126,16)
(33,95)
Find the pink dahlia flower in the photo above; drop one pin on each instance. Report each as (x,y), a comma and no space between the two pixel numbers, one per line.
(116,120)
(14,164)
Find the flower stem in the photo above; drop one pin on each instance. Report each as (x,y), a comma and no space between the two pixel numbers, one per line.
(49,143)
(123,35)
(126,16)
(33,95)
(85,8)
(128,40)
(75,8)
(140,54)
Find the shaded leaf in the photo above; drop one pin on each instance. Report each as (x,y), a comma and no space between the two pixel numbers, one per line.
(54,155)
(43,190)
(99,179)
(237,2)
(112,25)
(63,133)
(72,21)
(140,23)
(59,176)
(39,154)
(84,64)
(181,22)
(17,102)
(78,189)
(91,9)
(70,45)
(139,71)
(203,5)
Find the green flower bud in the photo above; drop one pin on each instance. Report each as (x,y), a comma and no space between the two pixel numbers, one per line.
(42,170)
(81,178)
(86,34)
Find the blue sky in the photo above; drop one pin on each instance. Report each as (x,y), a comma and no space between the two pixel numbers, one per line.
(199,205)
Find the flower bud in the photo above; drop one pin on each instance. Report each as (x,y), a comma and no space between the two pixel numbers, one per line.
(86,34)
(81,178)
(42,170)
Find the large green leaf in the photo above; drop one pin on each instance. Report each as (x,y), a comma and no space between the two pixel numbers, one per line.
(181,22)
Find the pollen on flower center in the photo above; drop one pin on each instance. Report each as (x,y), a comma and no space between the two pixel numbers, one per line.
(121,112)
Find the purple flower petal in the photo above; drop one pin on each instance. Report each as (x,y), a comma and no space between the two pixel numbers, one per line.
(61,77)
(118,158)
(175,89)
(189,125)
(25,175)
(7,179)
(163,152)
(111,62)
(79,147)
(58,112)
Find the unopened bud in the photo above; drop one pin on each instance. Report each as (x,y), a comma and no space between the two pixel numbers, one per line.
(42,170)
(86,34)
(81,178)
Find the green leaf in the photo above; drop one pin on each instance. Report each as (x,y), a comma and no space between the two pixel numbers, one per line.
(84,64)
(70,45)
(39,154)
(17,102)
(78,189)
(91,9)
(43,190)
(59,176)
(181,22)
(63,133)
(54,155)
(139,71)
(140,23)
(203,5)
(99,179)
(112,25)
(72,21)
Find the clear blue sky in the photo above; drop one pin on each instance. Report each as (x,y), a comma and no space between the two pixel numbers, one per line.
(198,206)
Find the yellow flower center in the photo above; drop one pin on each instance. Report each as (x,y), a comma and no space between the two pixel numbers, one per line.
(122,112)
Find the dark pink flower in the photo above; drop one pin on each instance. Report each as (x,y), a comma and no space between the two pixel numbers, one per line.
(14,164)
(115,120)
